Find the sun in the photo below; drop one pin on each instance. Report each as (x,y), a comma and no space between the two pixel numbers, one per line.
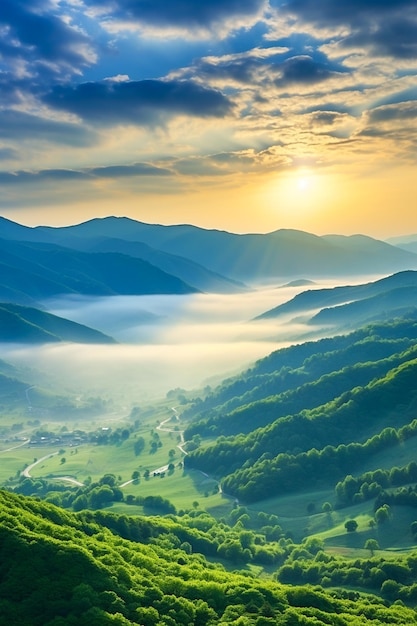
(303,183)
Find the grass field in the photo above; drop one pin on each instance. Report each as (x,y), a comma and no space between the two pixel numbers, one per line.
(299,514)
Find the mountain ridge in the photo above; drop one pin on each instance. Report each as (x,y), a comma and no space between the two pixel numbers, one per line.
(240,257)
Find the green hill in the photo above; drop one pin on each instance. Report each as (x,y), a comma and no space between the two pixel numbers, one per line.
(20,324)
(63,569)
(327,420)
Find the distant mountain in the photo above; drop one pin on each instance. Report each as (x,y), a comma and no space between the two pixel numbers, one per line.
(404,239)
(190,272)
(352,304)
(19,324)
(396,302)
(256,257)
(302,282)
(408,243)
(36,271)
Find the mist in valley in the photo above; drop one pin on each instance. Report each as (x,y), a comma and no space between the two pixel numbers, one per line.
(164,342)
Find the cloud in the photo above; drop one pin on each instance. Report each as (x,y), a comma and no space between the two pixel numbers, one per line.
(7,153)
(397,122)
(302,69)
(87,174)
(243,67)
(136,169)
(184,15)
(21,126)
(138,102)
(388,27)
(35,34)
(404,111)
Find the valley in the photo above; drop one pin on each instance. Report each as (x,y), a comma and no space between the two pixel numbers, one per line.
(268,430)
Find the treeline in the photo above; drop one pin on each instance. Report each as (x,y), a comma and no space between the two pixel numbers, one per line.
(65,569)
(392,579)
(355,415)
(94,495)
(287,473)
(290,368)
(304,396)
(369,485)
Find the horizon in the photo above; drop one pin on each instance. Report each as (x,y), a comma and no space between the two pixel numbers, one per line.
(243,117)
(127,217)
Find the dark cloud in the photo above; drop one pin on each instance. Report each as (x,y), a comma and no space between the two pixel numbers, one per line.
(7,153)
(241,70)
(23,177)
(32,32)
(326,118)
(130,102)
(386,26)
(302,69)
(346,12)
(178,13)
(136,169)
(399,112)
(19,126)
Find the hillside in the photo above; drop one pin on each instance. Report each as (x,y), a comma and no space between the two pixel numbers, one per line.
(333,402)
(256,257)
(190,272)
(20,324)
(353,304)
(63,569)
(40,270)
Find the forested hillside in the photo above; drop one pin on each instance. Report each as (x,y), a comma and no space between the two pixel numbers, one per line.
(308,415)
(60,568)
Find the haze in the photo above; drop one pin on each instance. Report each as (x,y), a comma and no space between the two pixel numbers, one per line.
(165,342)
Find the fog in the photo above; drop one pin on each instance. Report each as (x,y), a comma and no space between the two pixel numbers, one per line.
(164,342)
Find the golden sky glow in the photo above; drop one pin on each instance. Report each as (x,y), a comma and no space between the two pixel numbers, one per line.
(249,117)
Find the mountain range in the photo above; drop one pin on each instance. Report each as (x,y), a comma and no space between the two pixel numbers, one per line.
(230,256)
(351,305)
(120,256)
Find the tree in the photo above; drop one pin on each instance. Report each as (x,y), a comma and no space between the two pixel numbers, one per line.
(382,514)
(351,525)
(371,545)
(138,446)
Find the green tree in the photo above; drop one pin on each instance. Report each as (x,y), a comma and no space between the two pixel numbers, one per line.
(351,525)
(371,545)
(382,514)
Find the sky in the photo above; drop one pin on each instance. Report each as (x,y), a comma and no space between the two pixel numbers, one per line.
(242,115)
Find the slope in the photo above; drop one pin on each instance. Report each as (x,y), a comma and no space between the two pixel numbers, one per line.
(42,270)
(64,569)
(190,272)
(326,412)
(309,302)
(21,324)
(257,257)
